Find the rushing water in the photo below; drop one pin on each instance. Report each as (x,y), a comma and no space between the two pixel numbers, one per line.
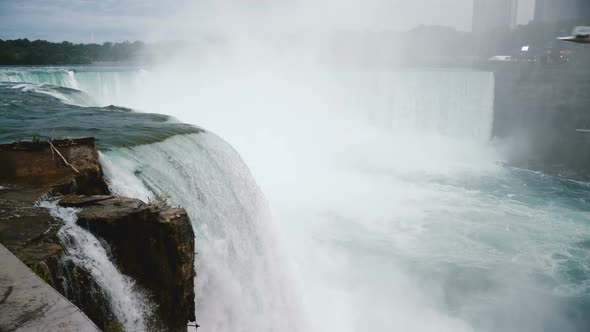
(128,303)
(389,205)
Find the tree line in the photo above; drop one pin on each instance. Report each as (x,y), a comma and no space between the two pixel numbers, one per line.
(411,46)
(41,52)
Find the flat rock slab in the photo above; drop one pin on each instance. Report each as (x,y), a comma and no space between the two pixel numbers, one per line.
(27,303)
(81,201)
(114,210)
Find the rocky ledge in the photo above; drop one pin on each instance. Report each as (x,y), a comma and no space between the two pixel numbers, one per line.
(60,165)
(151,243)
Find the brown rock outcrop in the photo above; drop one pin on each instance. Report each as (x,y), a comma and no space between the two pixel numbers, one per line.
(30,170)
(153,244)
(67,165)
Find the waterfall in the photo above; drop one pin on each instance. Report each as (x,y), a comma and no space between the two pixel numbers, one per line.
(104,85)
(66,95)
(451,104)
(358,167)
(448,103)
(442,117)
(241,282)
(130,305)
(47,75)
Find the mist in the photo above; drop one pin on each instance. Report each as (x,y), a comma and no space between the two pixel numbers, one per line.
(362,165)
(371,168)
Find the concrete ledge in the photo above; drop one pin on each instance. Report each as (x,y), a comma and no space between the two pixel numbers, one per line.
(27,303)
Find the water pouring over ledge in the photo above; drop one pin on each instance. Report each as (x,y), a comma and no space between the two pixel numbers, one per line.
(390,217)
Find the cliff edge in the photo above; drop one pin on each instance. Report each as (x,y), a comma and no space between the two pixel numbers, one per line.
(151,243)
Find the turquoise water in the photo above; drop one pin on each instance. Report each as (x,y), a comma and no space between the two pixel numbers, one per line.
(393,210)
(42,112)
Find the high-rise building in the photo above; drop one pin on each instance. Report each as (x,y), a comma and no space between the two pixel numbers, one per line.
(489,15)
(562,10)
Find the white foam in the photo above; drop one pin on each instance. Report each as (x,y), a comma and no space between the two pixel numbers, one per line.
(242,283)
(122,181)
(73,98)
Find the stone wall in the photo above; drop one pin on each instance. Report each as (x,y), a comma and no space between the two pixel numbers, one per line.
(539,110)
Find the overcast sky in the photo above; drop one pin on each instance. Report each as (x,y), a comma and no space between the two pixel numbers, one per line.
(118,20)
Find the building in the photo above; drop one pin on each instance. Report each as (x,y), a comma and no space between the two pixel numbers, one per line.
(562,10)
(489,15)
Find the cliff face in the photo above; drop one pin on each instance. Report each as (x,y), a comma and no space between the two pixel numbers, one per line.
(153,244)
(539,111)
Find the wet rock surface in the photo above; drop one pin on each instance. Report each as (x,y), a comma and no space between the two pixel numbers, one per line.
(153,244)
(29,172)
(28,231)
(65,165)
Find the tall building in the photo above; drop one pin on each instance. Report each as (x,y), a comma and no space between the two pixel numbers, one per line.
(562,10)
(489,15)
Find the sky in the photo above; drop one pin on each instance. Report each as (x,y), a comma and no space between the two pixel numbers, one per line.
(119,20)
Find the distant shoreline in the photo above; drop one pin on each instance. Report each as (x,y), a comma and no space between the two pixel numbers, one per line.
(22,52)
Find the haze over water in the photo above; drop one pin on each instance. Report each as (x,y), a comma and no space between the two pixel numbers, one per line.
(390,206)
(378,200)
(391,202)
